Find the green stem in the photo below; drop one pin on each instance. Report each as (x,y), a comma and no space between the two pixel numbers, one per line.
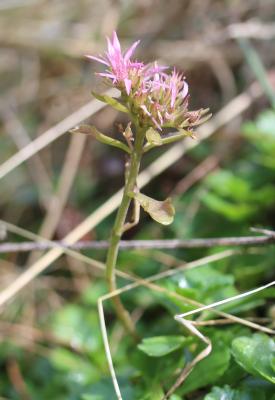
(117,232)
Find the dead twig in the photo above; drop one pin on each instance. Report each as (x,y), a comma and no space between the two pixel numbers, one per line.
(266,239)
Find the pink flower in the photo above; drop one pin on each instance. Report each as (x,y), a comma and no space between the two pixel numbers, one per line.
(177,86)
(164,98)
(158,98)
(120,67)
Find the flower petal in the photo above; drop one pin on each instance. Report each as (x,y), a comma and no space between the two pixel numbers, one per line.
(185,89)
(144,108)
(116,44)
(128,85)
(130,51)
(111,50)
(98,59)
(107,75)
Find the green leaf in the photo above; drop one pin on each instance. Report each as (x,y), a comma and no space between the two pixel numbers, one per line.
(255,354)
(74,323)
(71,363)
(208,278)
(155,393)
(217,393)
(232,211)
(153,137)
(227,184)
(161,211)
(249,389)
(245,393)
(92,397)
(261,134)
(209,370)
(111,101)
(104,389)
(159,346)
(91,130)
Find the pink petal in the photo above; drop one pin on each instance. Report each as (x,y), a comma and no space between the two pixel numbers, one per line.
(136,64)
(111,50)
(107,75)
(128,85)
(144,108)
(151,70)
(98,59)
(116,44)
(173,96)
(130,51)
(111,59)
(184,92)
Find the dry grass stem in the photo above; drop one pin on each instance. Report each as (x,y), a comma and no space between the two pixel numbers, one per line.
(52,134)
(12,247)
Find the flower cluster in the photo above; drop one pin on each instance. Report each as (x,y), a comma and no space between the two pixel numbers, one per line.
(158,98)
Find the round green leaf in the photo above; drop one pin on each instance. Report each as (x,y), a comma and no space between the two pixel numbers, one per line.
(159,346)
(255,354)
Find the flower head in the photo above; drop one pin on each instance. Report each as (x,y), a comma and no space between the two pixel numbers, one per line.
(121,70)
(156,96)
(164,99)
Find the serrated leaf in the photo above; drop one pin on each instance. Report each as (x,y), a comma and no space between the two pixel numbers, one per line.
(111,101)
(161,211)
(255,354)
(159,346)
(153,137)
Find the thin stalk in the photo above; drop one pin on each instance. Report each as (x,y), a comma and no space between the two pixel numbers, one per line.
(117,231)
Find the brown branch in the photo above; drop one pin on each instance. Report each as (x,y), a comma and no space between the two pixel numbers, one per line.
(266,239)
